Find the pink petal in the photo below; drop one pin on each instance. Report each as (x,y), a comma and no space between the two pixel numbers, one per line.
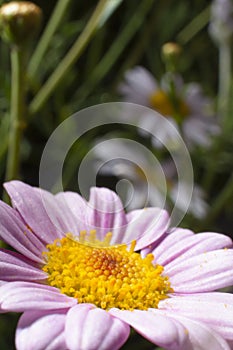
(15,267)
(39,210)
(90,328)
(28,296)
(74,209)
(201,336)
(213,309)
(106,213)
(14,232)
(202,273)
(177,235)
(147,226)
(156,327)
(189,245)
(41,330)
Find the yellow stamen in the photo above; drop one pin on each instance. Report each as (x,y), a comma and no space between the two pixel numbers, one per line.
(107,239)
(82,236)
(133,244)
(108,276)
(160,101)
(92,237)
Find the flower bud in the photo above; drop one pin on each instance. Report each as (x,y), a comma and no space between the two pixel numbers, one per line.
(170,55)
(19,21)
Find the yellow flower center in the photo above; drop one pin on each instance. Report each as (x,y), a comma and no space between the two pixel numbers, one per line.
(160,101)
(108,276)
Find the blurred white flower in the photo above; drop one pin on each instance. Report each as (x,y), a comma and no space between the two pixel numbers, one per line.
(198,206)
(221,21)
(191,110)
(152,184)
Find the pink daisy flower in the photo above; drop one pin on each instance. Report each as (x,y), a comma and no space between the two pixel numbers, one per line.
(80,283)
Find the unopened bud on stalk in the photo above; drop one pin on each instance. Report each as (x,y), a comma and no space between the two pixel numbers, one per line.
(170,55)
(19,21)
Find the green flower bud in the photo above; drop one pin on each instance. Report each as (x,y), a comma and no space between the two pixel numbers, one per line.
(19,21)
(170,54)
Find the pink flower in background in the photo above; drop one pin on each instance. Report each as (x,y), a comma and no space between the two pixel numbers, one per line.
(193,111)
(80,283)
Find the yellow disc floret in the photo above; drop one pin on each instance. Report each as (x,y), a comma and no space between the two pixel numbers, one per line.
(161,101)
(108,276)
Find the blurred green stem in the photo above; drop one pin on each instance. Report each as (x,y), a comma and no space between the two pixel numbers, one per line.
(195,26)
(221,200)
(116,49)
(223,109)
(67,62)
(174,98)
(224,81)
(143,42)
(95,51)
(45,40)
(17,110)
(210,168)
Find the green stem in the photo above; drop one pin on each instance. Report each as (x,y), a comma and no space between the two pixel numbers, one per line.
(67,62)
(224,196)
(95,51)
(17,110)
(174,99)
(195,26)
(116,49)
(209,174)
(141,45)
(45,40)
(4,147)
(223,110)
(224,81)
